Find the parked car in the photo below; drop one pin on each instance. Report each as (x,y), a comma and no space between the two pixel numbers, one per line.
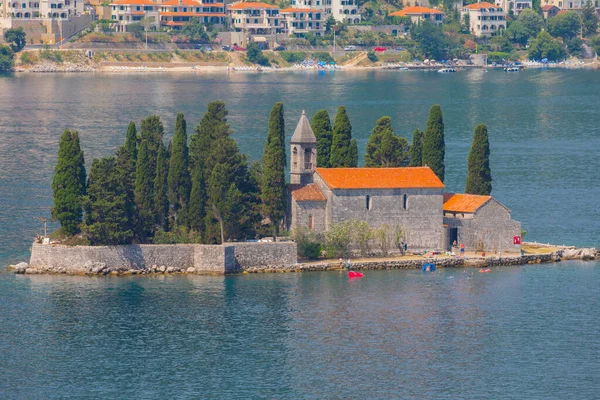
(380,49)
(350,48)
(279,48)
(226,48)
(235,47)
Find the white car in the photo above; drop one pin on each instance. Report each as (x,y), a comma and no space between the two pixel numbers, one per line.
(350,48)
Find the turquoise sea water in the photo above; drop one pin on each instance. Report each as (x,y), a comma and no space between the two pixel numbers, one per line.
(520,332)
(517,333)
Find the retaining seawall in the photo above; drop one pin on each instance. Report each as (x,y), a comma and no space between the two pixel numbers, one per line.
(136,258)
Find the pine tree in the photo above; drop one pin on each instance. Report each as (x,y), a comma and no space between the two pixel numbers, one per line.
(179,175)
(161,199)
(385,149)
(197,206)
(479,179)
(131,140)
(416,150)
(589,19)
(144,194)
(321,126)
(107,222)
(340,144)
(273,184)
(68,184)
(212,125)
(434,147)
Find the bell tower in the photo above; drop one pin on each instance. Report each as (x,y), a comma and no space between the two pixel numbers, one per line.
(303,153)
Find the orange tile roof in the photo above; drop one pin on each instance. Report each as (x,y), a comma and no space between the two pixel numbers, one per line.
(548,8)
(308,193)
(134,2)
(245,5)
(463,203)
(187,3)
(561,12)
(380,178)
(478,6)
(306,10)
(405,12)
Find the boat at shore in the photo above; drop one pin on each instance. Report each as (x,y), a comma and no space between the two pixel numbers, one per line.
(447,70)
(511,69)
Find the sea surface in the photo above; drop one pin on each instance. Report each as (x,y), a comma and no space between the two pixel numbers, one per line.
(519,332)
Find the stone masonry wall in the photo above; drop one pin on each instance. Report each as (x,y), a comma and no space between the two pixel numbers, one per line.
(201,258)
(302,211)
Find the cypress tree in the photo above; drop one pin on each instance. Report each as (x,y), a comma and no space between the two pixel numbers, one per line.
(340,143)
(143,194)
(479,179)
(434,147)
(125,164)
(68,184)
(212,125)
(107,222)
(273,184)
(152,131)
(196,209)
(161,199)
(353,154)
(385,149)
(131,140)
(321,126)
(179,175)
(217,189)
(416,150)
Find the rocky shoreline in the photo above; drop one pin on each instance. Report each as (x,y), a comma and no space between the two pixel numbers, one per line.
(99,269)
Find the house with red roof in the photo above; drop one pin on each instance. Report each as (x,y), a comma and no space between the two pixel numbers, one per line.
(550,11)
(411,198)
(418,14)
(176,13)
(126,12)
(302,20)
(485,19)
(254,17)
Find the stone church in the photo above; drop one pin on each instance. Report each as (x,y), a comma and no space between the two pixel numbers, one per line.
(410,197)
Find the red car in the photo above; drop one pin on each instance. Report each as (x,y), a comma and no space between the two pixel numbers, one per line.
(380,49)
(237,48)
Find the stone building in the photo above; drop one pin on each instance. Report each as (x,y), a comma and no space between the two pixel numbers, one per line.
(411,198)
(480,222)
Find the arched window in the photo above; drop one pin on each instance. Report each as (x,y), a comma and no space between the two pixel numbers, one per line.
(311,223)
(368,202)
(356,20)
(405,202)
(295,157)
(307,158)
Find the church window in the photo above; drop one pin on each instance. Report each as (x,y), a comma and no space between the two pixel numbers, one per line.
(368,202)
(311,223)
(405,202)
(307,159)
(295,157)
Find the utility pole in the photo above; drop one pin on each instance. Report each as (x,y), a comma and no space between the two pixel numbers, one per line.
(44,220)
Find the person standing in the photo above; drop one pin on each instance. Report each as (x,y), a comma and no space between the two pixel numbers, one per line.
(462,249)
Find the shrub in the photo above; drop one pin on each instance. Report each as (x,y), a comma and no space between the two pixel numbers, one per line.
(28,58)
(177,236)
(322,56)
(308,243)
(372,56)
(384,236)
(293,56)
(338,239)
(52,56)
(362,235)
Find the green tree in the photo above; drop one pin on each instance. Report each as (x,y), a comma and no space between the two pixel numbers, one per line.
(161,198)
(479,179)
(255,54)
(152,130)
(430,39)
(6,58)
(384,149)
(589,19)
(517,33)
(125,165)
(195,31)
(330,24)
(545,47)
(144,194)
(532,21)
(107,222)
(501,44)
(212,125)
(321,126)
(353,154)
(416,150)
(197,206)
(68,184)
(434,146)
(340,143)
(595,43)
(566,26)
(217,189)
(179,174)
(273,184)
(16,38)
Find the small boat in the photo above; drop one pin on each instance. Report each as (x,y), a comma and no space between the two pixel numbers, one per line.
(355,274)
(446,70)
(511,69)
(428,267)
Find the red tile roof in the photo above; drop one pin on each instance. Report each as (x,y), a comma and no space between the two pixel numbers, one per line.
(134,2)
(463,203)
(478,6)
(380,178)
(190,14)
(300,10)
(405,12)
(548,8)
(308,193)
(561,12)
(249,4)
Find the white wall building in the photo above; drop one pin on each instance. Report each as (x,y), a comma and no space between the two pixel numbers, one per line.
(303,20)
(254,17)
(515,5)
(21,9)
(342,10)
(127,12)
(485,19)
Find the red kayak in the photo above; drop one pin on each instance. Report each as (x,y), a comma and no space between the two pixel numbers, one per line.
(354,274)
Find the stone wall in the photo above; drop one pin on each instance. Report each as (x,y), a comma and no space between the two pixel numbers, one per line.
(265,255)
(303,210)
(213,259)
